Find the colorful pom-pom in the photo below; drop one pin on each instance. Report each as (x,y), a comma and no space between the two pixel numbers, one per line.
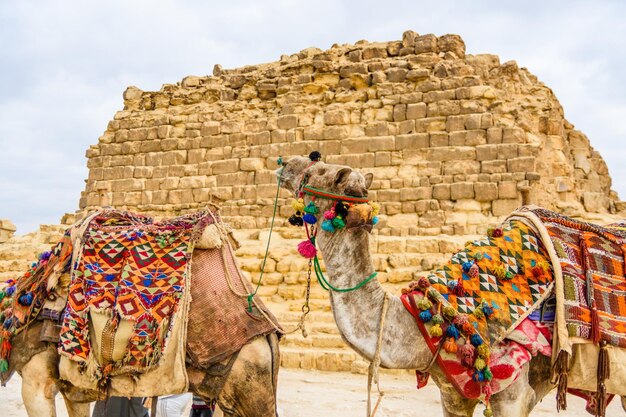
(2,295)
(307,249)
(509,275)
(453,331)
(487,412)
(375,209)
(311,208)
(424,304)
(4,366)
(478,376)
(483,351)
(26,299)
(487,310)
(476,340)
(338,223)
(425,316)
(296,220)
(466,266)
(459,291)
(449,313)
(478,313)
(315,156)
(437,319)
(330,214)
(473,271)
(500,271)
(452,284)
(423,283)
(327,226)
(309,218)
(435,330)
(497,232)
(460,320)
(450,345)
(467,354)
(478,256)
(10,290)
(341,209)
(44,256)
(298,205)
(480,363)
(468,327)
(375,220)
(487,373)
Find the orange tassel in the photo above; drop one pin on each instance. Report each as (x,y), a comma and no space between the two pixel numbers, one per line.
(450,345)
(595,324)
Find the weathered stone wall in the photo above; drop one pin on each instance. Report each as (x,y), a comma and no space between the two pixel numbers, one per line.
(451,138)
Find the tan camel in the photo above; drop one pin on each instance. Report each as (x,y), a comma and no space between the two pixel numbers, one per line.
(357,313)
(248,388)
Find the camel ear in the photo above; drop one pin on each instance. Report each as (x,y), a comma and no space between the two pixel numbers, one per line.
(369,177)
(342,174)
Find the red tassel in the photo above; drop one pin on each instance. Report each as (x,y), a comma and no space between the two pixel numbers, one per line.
(459,291)
(5,349)
(595,324)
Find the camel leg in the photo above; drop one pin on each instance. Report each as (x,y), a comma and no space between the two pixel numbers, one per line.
(76,409)
(249,390)
(38,384)
(517,400)
(453,404)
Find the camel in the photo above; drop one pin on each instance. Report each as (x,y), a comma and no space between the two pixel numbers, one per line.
(243,384)
(357,313)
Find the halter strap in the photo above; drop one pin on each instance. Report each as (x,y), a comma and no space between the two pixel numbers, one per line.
(332,196)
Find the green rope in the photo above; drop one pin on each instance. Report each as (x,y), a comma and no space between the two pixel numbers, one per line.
(269,238)
(326,285)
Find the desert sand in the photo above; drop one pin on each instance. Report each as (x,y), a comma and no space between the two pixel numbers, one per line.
(313,394)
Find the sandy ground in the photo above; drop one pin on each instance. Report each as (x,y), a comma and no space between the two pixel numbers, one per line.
(315,394)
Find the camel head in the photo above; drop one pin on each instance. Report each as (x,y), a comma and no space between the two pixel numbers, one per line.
(333,183)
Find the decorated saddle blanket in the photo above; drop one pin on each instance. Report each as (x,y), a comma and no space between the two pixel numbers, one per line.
(130,275)
(590,287)
(467,308)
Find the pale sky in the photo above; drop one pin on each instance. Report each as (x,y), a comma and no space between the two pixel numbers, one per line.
(64,65)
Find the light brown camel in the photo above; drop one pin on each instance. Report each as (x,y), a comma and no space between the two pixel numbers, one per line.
(357,313)
(246,389)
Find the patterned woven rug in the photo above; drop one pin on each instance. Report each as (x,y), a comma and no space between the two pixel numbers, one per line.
(467,308)
(128,267)
(592,263)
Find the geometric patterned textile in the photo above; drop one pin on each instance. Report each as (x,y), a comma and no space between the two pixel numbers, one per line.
(131,268)
(466,309)
(592,262)
(506,279)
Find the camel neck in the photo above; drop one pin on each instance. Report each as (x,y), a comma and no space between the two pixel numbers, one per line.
(357,313)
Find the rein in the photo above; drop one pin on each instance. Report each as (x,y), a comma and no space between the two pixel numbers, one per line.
(307,189)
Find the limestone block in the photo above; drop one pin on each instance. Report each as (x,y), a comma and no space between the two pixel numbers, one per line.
(381,143)
(521,164)
(461,167)
(412,141)
(374,52)
(416,111)
(486,152)
(504,207)
(425,43)
(486,191)
(461,190)
(226,166)
(452,43)
(251,164)
(337,117)
(451,153)
(442,191)
(513,135)
(494,135)
(288,121)
(438,139)
(192,182)
(493,167)
(507,189)
(399,112)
